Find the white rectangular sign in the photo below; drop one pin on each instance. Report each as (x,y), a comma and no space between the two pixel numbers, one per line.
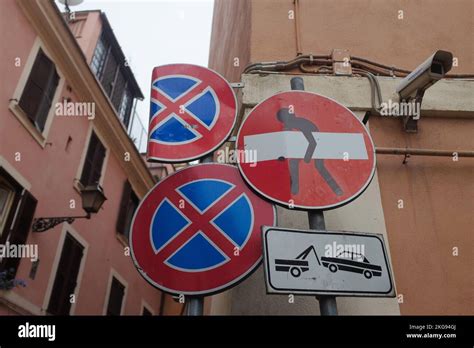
(290,144)
(326,263)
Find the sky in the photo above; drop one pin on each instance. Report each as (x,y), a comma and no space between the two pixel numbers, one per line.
(157,32)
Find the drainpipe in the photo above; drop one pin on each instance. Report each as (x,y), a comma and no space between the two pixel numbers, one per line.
(162,303)
(422,152)
(299,51)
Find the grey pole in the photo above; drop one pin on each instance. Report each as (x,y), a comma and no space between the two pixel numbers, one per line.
(195,304)
(327,304)
(297,84)
(208,158)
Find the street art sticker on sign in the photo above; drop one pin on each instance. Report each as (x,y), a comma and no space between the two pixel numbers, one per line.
(192,112)
(326,263)
(318,152)
(197,232)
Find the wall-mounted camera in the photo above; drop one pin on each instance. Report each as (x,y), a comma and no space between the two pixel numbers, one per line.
(419,80)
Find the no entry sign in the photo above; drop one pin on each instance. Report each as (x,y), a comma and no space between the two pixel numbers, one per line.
(192,112)
(198,230)
(310,151)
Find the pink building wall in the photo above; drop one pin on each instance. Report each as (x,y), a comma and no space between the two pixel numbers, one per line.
(51,171)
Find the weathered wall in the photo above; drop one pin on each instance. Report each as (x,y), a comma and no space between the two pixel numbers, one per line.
(368,28)
(437,192)
(51,171)
(437,195)
(230,38)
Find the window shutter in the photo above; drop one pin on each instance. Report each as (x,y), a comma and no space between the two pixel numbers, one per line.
(93,162)
(66,277)
(87,168)
(97,163)
(118,91)
(33,92)
(122,217)
(100,56)
(132,207)
(39,90)
(108,76)
(48,96)
(56,305)
(128,109)
(31,99)
(117,291)
(20,228)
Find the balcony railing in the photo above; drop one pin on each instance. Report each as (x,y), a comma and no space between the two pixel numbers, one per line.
(138,132)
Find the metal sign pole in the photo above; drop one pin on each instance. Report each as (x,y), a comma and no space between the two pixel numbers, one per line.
(195,304)
(207,159)
(327,304)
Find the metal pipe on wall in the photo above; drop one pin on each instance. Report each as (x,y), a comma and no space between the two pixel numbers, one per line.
(422,152)
(299,50)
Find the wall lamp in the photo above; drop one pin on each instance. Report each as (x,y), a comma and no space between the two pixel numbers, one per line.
(92,199)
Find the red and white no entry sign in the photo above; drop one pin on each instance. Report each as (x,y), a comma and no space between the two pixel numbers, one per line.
(311,152)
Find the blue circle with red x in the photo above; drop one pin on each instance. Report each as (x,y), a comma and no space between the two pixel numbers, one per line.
(192,112)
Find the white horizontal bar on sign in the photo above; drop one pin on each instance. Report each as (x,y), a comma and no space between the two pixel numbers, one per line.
(293,144)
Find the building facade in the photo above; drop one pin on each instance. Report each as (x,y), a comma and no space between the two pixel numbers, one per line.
(67,101)
(421,204)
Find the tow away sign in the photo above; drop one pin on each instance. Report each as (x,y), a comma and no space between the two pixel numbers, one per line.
(326,263)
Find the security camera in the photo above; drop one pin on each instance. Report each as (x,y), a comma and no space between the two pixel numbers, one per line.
(413,87)
(425,75)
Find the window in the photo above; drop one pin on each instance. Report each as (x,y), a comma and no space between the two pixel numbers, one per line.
(39,90)
(159,172)
(17,210)
(119,90)
(66,276)
(116,295)
(163,172)
(100,55)
(128,205)
(125,108)
(92,169)
(109,68)
(109,74)
(7,194)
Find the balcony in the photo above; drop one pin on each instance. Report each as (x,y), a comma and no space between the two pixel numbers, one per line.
(137,131)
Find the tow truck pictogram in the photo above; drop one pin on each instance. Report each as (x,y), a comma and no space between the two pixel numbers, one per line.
(298,265)
(344,261)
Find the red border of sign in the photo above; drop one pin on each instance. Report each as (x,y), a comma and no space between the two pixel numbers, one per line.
(302,207)
(204,153)
(256,233)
